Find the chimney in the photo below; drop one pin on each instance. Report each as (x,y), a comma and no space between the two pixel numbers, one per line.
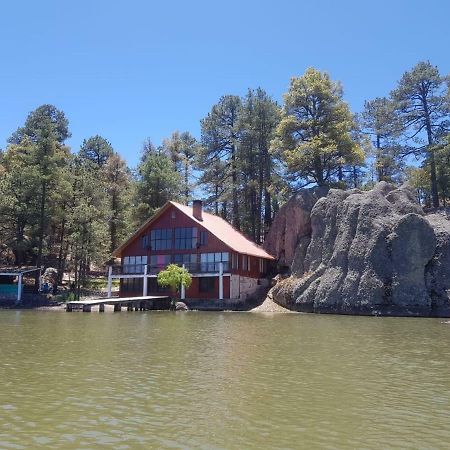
(197,206)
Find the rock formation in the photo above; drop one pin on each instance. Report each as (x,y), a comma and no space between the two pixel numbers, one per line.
(373,252)
(292,225)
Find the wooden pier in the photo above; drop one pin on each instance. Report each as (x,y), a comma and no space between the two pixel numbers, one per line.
(131,303)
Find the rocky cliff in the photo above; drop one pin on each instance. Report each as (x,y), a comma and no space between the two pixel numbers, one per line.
(373,252)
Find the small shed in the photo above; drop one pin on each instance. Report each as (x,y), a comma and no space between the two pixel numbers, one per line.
(12,281)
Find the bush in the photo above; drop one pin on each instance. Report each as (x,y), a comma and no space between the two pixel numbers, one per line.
(174,276)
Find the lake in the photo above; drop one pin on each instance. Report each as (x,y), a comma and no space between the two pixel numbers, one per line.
(199,380)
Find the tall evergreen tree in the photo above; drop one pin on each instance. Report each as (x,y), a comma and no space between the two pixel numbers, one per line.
(422,100)
(259,119)
(182,150)
(157,181)
(117,179)
(314,137)
(220,138)
(19,184)
(381,122)
(40,118)
(97,150)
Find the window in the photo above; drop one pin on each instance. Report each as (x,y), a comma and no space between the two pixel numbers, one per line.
(155,288)
(132,285)
(245,262)
(203,237)
(145,241)
(188,259)
(262,265)
(185,238)
(161,239)
(209,262)
(235,261)
(159,262)
(134,264)
(206,284)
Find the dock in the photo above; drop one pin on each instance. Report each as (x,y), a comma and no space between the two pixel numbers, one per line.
(146,303)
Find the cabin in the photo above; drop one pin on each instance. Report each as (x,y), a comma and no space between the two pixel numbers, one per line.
(223,263)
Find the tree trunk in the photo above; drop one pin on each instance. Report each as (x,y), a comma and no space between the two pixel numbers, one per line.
(235,206)
(434,187)
(41,224)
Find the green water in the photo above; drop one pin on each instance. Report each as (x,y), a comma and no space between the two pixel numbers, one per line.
(135,380)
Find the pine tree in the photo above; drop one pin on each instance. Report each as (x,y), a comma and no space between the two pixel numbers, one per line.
(97,150)
(157,181)
(220,140)
(314,137)
(381,123)
(422,101)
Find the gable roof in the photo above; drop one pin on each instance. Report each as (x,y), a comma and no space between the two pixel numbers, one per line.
(214,224)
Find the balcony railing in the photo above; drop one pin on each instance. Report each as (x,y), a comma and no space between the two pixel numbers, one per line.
(139,269)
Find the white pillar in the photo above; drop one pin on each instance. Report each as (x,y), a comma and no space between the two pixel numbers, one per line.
(144,289)
(109,281)
(40,279)
(220,281)
(183,290)
(19,289)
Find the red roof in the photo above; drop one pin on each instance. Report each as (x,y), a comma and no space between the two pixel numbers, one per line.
(215,225)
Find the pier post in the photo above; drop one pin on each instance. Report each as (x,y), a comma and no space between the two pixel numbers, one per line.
(129,307)
(183,290)
(221,281)
(69,307)
(117,307)
(109,281)
(101,307)
(144,289)
(86,308)
(19,289)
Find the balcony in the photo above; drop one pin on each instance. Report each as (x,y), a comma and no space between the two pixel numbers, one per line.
(194,268)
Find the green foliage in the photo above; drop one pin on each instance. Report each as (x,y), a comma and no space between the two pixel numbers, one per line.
(117,179)
(419,179)
(157,182)
(40,118)
(174,276)
(97,150)
(182,148)
(422,102)
(238,171)
(314,137)
(381,122)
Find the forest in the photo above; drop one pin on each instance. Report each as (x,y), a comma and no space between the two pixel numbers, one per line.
(69,208)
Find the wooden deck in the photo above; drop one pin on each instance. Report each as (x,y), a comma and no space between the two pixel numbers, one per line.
(132,303)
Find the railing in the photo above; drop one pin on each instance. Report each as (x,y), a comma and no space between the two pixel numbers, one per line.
(139,269)
(208,267)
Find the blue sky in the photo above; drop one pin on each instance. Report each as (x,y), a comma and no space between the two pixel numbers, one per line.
(129,70)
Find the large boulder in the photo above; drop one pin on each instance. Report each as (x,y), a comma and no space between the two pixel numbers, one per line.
(292,225)
(372,252)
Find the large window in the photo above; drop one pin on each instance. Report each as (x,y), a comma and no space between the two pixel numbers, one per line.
(188,259)
(134,264)
(206,284)
(246,262)
(134,285)
(185,238)
(235,261)
(262,265)
(209,262)
(159,262)
(161,239)
(155,288)
(203,237)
